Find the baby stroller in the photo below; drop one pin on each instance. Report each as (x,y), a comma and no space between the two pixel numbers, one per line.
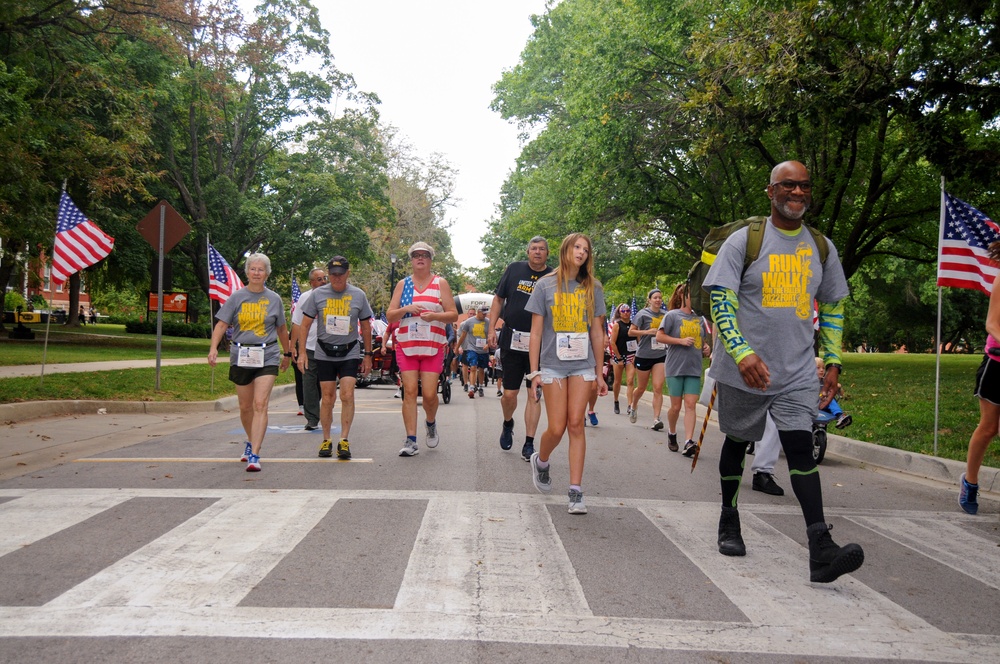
(823,418)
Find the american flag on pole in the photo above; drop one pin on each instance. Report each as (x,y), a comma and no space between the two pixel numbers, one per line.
(79,242)
(296,293)
(633,308)
(963,260)
(222,279)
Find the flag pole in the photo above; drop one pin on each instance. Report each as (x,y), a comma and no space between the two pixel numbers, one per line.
(48,322)
(937,367)
(208,243)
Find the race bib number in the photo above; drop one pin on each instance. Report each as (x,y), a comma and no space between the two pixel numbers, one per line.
(480,343)
(632,345)
(572,345)
(339,326)
(250,357)
(418,330)
(656,345)
(520,341)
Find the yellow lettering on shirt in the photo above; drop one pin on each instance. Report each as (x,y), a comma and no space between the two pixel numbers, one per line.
(691,329)
(527,285)
(341,307)
(252,315)
(569,312)
(479,330)
(786,283)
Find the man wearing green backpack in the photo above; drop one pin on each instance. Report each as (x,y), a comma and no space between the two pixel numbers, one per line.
(764,362)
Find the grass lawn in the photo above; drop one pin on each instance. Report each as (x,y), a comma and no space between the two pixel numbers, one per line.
(891,397)
(185,383)
(94,343)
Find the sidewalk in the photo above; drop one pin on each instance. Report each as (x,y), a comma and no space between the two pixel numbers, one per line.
(28,370)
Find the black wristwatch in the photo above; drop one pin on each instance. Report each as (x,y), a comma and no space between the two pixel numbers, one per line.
(288,354)
(834,364)
(367,352)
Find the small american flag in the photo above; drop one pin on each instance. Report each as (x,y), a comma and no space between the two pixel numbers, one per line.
(963,259)
(633,307)
(296,293)
(79,242)
(222,279)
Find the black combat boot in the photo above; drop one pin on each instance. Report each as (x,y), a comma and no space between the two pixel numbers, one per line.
(730,539)
(827,561)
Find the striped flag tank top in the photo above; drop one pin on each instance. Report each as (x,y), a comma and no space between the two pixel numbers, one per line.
(416,337)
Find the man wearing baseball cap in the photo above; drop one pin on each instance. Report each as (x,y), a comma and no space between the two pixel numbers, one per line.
(341,309)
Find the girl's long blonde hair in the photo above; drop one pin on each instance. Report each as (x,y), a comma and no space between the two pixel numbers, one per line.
(585,277)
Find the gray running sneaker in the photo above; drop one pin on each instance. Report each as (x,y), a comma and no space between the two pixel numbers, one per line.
(576,505)
(633,415)
(657,424)
(432,435)
(409,448)
(540,477)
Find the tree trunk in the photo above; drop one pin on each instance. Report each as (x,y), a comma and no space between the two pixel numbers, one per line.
(73,285)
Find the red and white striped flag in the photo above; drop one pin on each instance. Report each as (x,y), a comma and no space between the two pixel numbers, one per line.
(222,279)
(963,259)
(79,242)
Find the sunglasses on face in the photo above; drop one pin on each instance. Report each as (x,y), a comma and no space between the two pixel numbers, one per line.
(790,185)
(421,254)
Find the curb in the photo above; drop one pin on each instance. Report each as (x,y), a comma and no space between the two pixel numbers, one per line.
(29,410)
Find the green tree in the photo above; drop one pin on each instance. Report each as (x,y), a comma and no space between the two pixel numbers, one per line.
(655,120)
(76,110)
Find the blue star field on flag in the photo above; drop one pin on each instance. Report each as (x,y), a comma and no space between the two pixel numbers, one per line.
(406,298)
(963,256)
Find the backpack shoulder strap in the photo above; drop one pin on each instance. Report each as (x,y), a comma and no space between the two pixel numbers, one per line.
(820,239)
(755,238)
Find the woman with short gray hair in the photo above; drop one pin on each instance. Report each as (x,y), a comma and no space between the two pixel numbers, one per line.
(257,316)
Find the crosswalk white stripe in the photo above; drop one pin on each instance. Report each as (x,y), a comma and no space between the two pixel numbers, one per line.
(944,542)
(490,553)
(36,515)
(770,585)
(215,558)
(582,631)
(191,593)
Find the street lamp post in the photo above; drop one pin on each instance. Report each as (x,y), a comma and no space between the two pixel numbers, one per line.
(392,276)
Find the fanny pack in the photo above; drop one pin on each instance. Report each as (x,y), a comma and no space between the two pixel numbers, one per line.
(336,350)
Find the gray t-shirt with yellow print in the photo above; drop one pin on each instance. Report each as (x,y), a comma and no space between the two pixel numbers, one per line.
(564,320)
(776,295)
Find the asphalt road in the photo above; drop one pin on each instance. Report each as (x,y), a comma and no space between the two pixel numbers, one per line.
(147,541)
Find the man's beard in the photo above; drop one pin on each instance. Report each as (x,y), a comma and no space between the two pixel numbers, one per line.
(791,214)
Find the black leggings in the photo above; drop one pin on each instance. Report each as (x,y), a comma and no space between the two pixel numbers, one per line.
(801,467)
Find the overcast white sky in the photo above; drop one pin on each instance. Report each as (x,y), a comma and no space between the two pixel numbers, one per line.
(432,63)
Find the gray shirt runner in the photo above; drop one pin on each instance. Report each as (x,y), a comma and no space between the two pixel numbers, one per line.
(567,317)
(336,319)
(683,360)
(255,318)
(775,311)
(645,319)
(475,334)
